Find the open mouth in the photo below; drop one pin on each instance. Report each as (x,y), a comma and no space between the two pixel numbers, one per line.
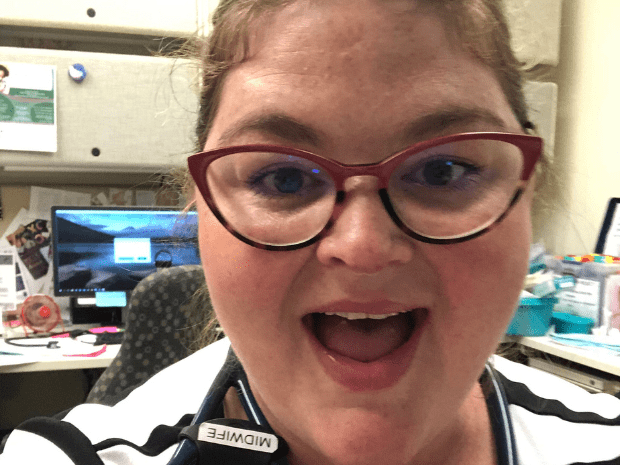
(364,337)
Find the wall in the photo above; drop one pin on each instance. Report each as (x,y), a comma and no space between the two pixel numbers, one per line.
(586,147)
(16,196)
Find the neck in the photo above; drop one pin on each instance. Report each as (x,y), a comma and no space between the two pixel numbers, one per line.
(469,440)
(466,441)
(232,406)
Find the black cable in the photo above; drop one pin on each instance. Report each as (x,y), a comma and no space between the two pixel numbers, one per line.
(50,344)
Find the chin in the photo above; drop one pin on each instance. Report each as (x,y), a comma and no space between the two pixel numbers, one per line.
(362,438)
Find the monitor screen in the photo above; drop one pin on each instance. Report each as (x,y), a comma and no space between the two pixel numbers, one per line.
(104,249)
(608,242)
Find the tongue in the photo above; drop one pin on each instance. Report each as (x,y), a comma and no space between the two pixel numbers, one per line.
(363,340)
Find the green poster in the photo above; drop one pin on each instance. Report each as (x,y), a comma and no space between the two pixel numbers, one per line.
(28,107)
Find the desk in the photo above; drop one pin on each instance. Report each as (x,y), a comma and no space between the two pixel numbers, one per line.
(37,358)
(45,381)
(53,361)
(602,367)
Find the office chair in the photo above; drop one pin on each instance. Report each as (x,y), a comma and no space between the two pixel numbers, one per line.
(164,322)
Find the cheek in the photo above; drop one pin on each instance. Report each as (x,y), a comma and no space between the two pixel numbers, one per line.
(228,264)
(486,276)
(244,281)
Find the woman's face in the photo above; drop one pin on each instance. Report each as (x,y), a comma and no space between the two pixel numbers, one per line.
(357,82)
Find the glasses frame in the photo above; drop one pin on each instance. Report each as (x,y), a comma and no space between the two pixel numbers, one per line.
(530,146)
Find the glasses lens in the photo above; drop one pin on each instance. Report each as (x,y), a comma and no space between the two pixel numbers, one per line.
(456,189)
(271,198)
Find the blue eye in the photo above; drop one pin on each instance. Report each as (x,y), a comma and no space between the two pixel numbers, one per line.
(287,180)
(441,173)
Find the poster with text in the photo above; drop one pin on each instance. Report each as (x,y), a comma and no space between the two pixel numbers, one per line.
(29,235)
(28,107)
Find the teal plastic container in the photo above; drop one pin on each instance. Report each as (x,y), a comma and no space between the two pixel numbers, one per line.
(566,323)
(533,317)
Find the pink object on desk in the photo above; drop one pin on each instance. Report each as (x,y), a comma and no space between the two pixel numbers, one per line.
(93,354)
(104,329)
(612,300)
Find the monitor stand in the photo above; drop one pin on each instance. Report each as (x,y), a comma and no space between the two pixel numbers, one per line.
(84,311)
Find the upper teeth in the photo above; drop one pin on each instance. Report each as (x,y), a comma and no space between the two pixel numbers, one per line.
(360,316)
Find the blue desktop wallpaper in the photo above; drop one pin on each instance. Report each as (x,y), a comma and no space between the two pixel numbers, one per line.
(112,250)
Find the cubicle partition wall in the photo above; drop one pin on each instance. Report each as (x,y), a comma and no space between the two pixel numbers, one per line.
(130,114)
(135,112)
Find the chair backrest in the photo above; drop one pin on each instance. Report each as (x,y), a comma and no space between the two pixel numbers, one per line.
(163,321)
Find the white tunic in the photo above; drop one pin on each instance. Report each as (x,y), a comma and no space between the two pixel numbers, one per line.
(553,421)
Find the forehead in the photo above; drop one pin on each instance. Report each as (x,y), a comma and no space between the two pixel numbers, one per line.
(367,34)
(380,64)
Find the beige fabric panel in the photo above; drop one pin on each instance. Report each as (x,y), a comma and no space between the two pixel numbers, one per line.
(139,112)
(152,17)
(542,101)
(535,29)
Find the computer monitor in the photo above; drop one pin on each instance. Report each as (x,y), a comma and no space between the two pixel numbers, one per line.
(608,242)
(103,250)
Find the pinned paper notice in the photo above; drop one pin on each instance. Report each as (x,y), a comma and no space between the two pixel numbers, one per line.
(28,107)
(8,303)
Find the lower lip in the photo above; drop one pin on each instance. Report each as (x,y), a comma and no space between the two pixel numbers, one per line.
(368,376)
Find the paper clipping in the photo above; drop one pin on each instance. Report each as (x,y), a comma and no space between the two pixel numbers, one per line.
(28,107)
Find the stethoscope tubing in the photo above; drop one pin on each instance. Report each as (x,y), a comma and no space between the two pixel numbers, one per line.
(186,452)
(502,426)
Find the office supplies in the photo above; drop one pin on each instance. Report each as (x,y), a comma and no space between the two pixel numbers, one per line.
(96,353)
(552,285)
(77,72)
(587,297)
(611,308)
(566,323)
(533,316)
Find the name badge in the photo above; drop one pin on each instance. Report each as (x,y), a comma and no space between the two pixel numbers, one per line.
(237,437)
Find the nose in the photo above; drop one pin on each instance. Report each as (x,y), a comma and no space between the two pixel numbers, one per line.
(363,237)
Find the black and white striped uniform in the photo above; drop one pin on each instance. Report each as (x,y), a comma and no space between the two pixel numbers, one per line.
(558,423)
(539,418)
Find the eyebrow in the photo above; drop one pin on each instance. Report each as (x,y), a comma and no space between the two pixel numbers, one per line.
(276,124)
(448,118)
(293,131)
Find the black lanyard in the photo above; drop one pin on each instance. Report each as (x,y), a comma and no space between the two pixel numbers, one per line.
(233,375)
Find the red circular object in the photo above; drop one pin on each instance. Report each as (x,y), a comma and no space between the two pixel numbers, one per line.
(40,313)
(45,311)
